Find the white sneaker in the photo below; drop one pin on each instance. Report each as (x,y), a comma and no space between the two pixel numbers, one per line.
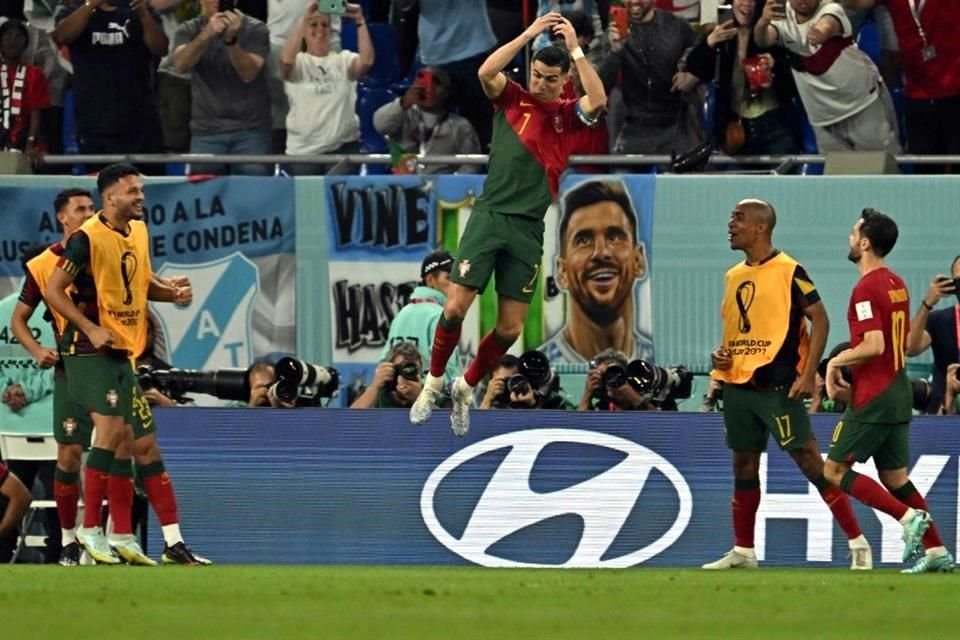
(861,556)
(733,559)
(422,407)
(129,550)
(462,395)
(96,545)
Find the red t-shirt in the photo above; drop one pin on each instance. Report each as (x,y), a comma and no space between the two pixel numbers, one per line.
(879,302)
(28,93)
(3,472)
(939,77)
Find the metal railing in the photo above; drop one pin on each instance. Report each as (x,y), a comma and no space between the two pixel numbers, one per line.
(771,164)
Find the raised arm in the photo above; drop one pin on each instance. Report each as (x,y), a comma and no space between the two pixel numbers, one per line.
(364,61)
(764,33)
(491,71)
(595,98)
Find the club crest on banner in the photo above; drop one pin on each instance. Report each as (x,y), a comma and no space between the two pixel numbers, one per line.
(215,330)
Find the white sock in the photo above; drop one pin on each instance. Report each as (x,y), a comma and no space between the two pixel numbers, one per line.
(745,551)
(68,536)
(171,534)
(936,552)
(432,383)
(859,542)
(908,516)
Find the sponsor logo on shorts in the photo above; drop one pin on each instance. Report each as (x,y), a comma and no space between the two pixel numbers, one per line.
(464,268)
(69,426)
(113,398)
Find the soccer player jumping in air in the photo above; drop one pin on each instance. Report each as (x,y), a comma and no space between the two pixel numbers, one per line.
(880,400)
(534,134)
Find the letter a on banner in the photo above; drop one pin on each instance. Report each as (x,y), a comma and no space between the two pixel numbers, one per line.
(215,330)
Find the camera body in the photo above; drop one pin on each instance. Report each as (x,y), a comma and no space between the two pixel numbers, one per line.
(660,386)
(533,372)
(303,383)
(406,369)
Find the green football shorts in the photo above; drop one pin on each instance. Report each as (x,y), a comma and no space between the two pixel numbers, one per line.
(506,246)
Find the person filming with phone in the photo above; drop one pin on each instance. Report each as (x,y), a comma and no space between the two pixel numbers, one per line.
(847,103)
(321,85)
(755,90)
(419,122)
(938,330)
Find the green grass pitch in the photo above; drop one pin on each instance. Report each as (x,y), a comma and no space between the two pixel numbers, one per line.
(387,603)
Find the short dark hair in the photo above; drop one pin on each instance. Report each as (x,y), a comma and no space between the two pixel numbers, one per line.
(880,230)
(508,361)
(112,174)
(592,192)
(17,26)
(954,264)
(553,56)
(405,349)
(63,198)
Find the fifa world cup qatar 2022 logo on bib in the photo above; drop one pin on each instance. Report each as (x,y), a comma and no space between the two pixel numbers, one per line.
(556,498)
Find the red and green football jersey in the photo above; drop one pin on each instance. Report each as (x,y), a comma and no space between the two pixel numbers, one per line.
(880,302)
(532,142)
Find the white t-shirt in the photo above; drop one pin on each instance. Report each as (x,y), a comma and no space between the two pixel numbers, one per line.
(847,87)
(323,100)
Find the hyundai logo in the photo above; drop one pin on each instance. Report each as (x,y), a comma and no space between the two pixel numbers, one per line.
(603,502)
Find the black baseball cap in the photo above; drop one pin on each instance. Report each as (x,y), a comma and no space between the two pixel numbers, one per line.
(436,261)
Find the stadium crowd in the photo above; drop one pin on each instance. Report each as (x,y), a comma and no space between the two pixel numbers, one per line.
(270,76)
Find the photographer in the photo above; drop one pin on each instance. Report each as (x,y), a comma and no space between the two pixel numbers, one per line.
(396,382)
(610,392)
(527,382)
(614,384)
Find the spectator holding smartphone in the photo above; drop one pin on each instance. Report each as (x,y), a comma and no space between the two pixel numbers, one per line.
(321,87)
(420,123)
(755,112)
(939,330)
(847,103)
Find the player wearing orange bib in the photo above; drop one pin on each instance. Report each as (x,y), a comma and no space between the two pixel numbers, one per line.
(108,262)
